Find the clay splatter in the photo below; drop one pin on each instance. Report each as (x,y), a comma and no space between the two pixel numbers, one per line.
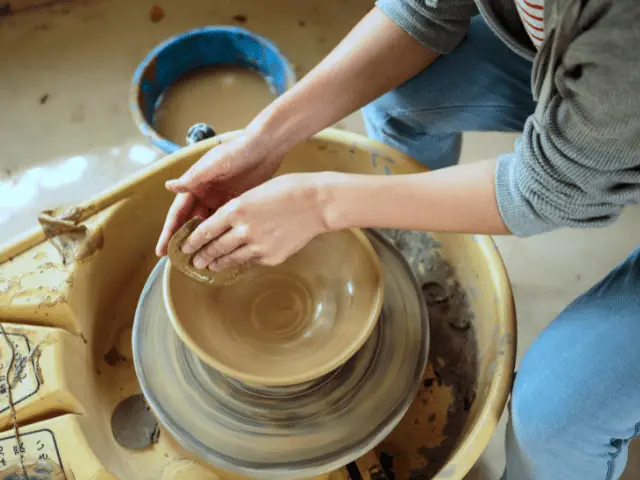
(114,358)
(156,14)
(422,443)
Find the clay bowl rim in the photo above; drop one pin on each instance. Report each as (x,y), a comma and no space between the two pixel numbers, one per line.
(325,368)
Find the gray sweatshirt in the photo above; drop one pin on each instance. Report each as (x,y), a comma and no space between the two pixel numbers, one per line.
(577,163)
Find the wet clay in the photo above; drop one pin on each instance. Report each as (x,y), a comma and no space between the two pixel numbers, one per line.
(288,432)
(286,324)
(227,98)
(184,262)
(427,435)
(133,425)
(73,241)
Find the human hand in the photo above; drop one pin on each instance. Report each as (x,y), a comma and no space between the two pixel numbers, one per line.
(265,225)
(223,173)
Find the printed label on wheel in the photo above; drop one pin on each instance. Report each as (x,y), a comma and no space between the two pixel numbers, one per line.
(38,447)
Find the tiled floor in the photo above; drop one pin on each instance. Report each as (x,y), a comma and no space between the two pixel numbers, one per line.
(65,132)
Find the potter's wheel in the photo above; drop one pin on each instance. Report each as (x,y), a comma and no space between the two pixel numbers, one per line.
(286,432)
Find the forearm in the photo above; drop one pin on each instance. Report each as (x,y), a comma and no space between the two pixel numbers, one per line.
(374,58)
(460,199)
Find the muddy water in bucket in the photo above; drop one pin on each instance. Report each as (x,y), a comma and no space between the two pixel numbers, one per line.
(226,98)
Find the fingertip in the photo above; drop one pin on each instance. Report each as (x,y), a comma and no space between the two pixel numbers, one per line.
(176,186)
(161,249)
(199,262)
(187,248)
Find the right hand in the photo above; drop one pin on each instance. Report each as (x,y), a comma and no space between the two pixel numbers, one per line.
(223,173)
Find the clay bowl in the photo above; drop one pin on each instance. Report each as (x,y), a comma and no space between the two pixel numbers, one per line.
(283,325)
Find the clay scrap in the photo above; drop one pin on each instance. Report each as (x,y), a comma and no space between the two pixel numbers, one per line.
(72,240)
(184,262)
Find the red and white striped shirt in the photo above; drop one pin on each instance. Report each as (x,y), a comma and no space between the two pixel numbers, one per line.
(532,15)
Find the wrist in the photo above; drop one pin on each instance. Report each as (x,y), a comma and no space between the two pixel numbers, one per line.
(331,191)
(277,127)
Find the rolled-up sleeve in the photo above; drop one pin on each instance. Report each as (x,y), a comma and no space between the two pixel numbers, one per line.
(578,163)
(437,24)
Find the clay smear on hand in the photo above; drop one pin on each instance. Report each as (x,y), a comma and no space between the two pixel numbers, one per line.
(184,262)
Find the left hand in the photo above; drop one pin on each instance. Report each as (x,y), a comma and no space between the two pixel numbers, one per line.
(265,225)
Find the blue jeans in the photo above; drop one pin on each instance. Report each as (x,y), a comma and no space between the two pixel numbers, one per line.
(575,404)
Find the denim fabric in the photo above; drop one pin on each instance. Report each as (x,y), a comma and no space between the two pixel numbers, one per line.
(481,86)
(575,403)
(576,400)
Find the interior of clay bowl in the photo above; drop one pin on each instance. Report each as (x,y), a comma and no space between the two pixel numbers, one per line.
(287,324)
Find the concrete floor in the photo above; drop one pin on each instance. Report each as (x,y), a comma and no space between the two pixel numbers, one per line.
(65,133)
(547,272)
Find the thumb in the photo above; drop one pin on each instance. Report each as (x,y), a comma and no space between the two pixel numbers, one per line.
(178,185)
(196,185)
(190,180)
(205,170)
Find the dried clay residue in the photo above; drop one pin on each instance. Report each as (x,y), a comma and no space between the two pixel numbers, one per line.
(73,241)
(421,445)
(40,470)
(114,358)
(156,13)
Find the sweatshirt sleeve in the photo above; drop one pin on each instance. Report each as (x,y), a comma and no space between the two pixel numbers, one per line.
(578,164)
(437,24)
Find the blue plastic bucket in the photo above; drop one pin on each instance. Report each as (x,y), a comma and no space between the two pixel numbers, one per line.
(195,49)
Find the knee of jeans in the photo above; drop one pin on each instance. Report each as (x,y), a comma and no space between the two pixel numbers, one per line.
(374,118)
(538,419)
(386,128)
(377,112)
